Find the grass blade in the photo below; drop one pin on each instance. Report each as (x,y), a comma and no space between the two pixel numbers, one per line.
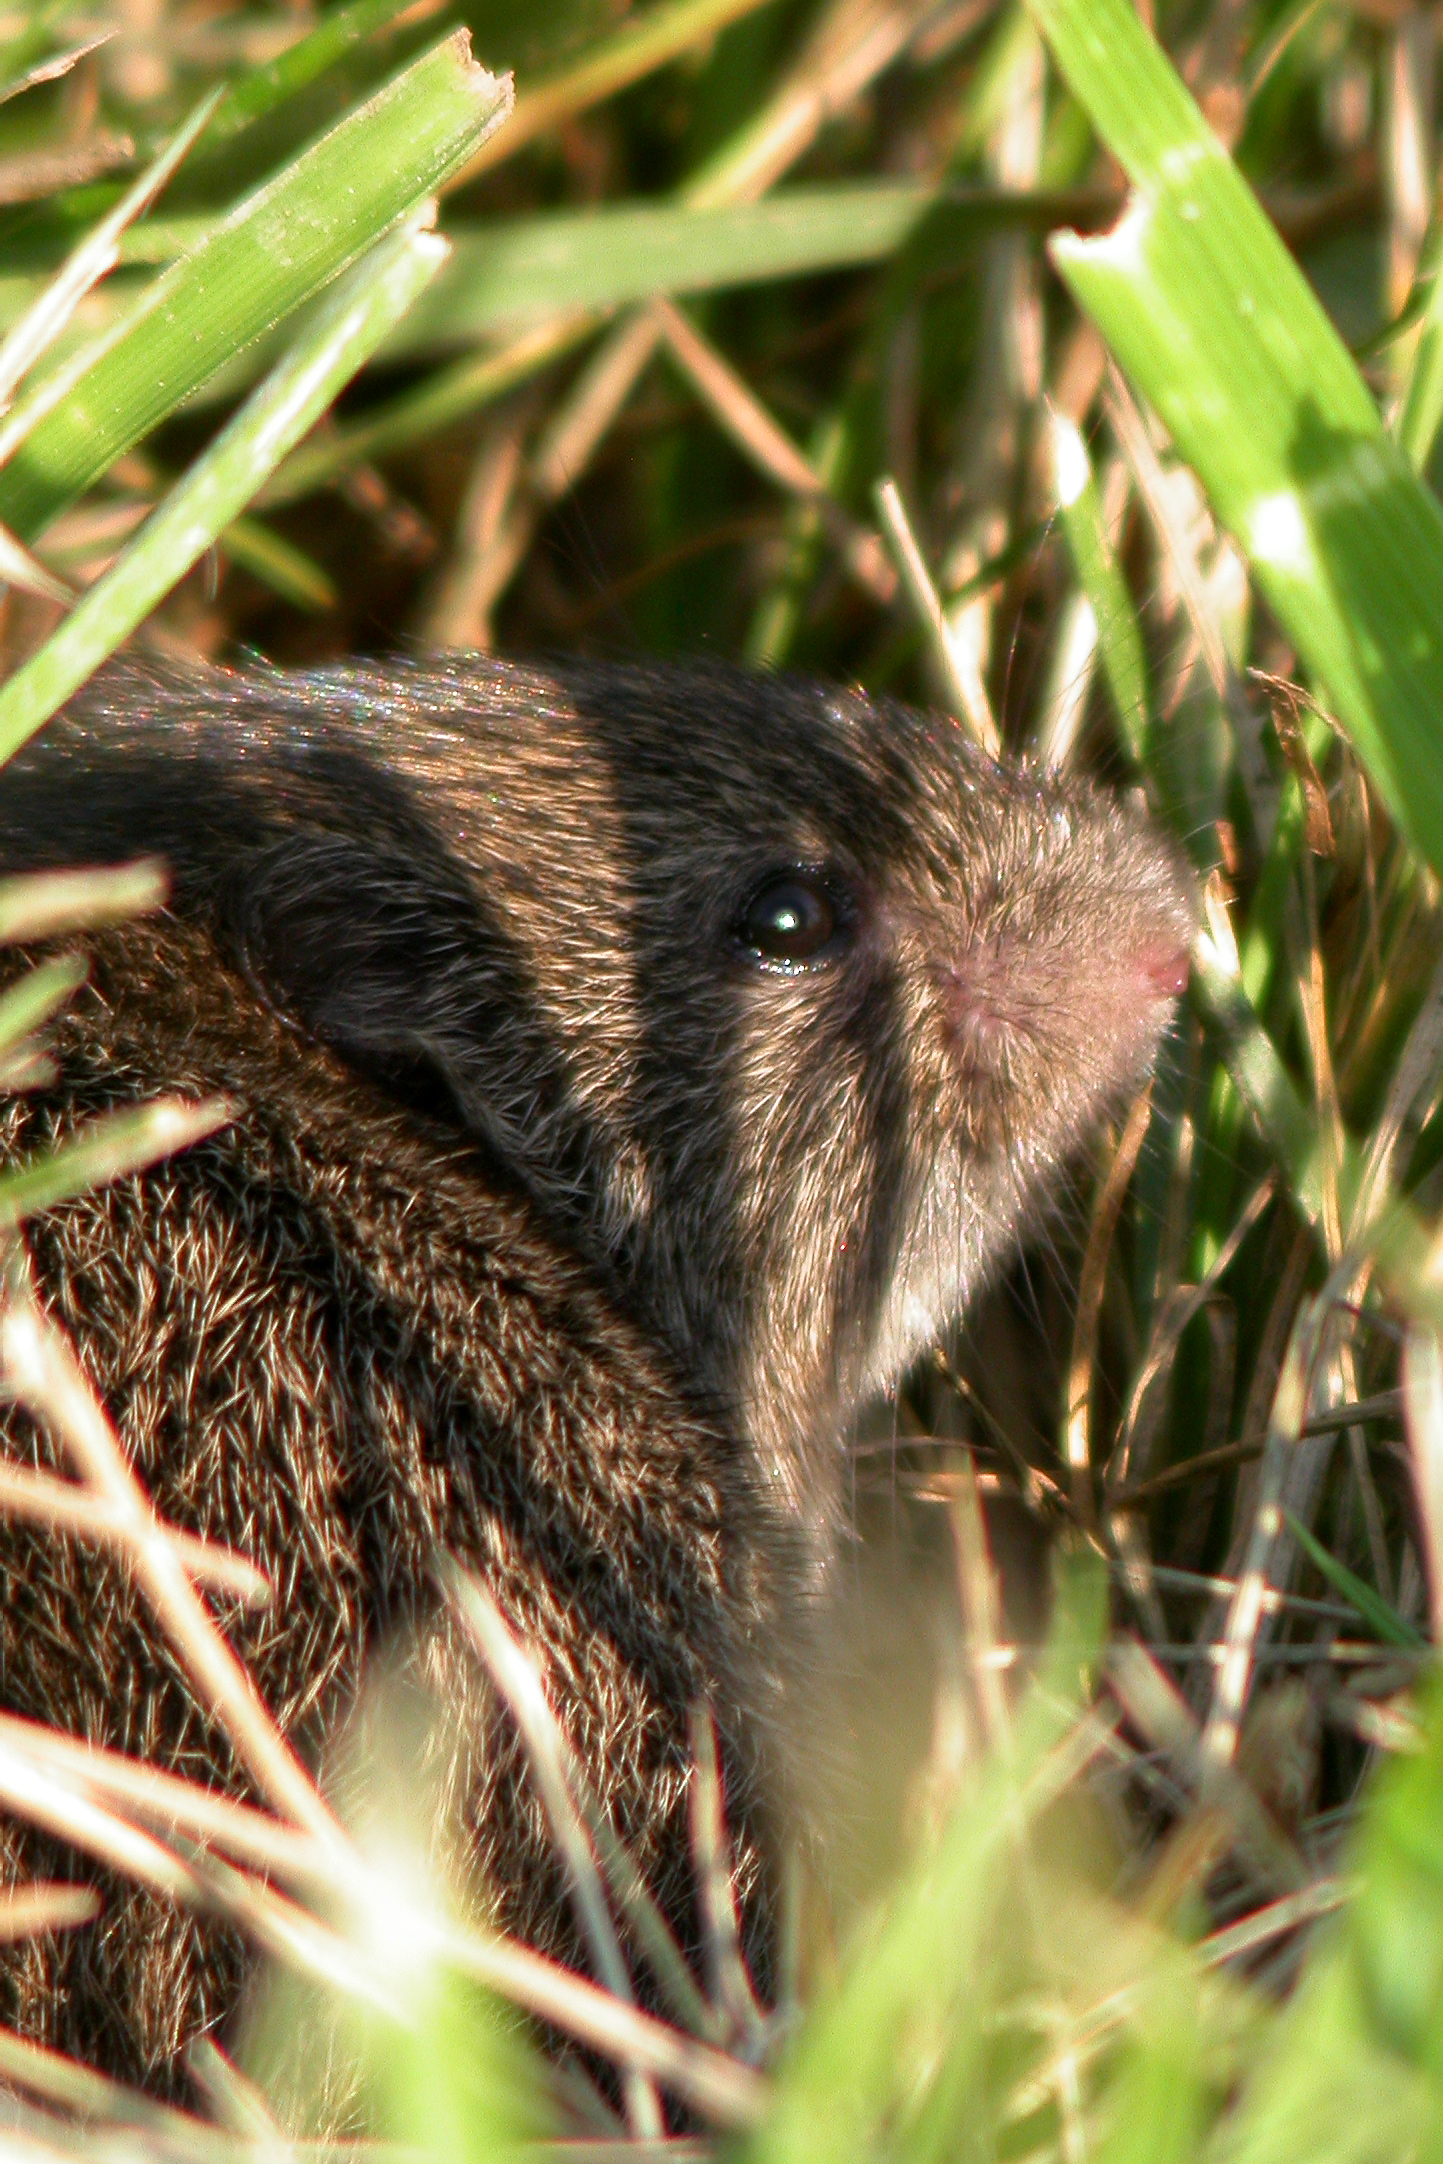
(636,49)
(339,31)
(96,255)
(110,1148)
(211,492)
(276,250)
(1216,324)
(1118,635)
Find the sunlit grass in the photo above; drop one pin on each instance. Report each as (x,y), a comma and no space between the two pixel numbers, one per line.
(759,334)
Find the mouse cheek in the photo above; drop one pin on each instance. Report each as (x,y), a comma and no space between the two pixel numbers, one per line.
(989,1049)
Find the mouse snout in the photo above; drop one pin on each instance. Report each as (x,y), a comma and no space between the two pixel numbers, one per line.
(1057,975)
(1163,969)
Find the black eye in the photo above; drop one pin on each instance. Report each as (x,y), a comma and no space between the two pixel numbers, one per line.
(791,921)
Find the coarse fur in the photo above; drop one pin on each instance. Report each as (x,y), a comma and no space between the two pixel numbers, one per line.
(554,1228)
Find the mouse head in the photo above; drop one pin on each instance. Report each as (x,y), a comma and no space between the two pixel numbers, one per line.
(786,1005)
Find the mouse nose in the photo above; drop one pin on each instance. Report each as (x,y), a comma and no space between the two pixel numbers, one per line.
(1164,968)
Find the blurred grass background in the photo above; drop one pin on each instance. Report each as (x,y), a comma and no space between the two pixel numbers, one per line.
(762,329)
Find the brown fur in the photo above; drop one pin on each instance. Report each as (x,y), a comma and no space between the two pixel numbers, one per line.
(552,1230)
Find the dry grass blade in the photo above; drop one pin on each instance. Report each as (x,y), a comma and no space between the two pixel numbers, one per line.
(981,1606)
(662,34)
(1271,1922)
(1090,1292)
(1164,1717)
(237,2104)
(181,1809)
(853,43)
(45,1905)
(32,175)
(1312,1002)
(60,1504)
(20,566)
(65,2082)
(54,65)
(1070,681)
(955,658)
(1130,429)
(1413,1086)
(1231,1683)
(740,414)
(516,1677)
(458,614)
(1134,1441)
(1274,1601)
(49,1800)
(723,2090)
(44,904)
(731,1985)
(1423,1398)
(333,453)
(1409,161)
(567,447)
(651,1932)
(41,1369)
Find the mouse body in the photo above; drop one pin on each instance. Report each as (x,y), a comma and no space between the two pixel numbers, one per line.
(633,1068)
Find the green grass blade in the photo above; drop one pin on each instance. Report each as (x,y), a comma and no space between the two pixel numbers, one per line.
(636,49)
(603,258)
(277,249)
(40,993)
(506,272)
(279,564)
(96,255)
(110,1148)
(1374,1611)
(1217,326)
(339,31)
(1420,410)
(211,492)
(1119,638)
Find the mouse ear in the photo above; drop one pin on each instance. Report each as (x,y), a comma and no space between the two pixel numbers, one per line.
(393,960)
(377,955)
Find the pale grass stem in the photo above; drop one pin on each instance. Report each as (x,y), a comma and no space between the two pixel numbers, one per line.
(43,1373)
(65,1507)
(1091,1287)
(516,1676)
(740,414)
(954,655)
(977,1591)
(40,1368)
(37,1905)
(43,905)
(731,1986)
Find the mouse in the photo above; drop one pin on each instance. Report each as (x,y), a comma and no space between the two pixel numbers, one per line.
(632,1068)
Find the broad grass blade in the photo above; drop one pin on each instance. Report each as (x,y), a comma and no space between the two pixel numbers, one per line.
(277,249)
(1217,326)
(211,492)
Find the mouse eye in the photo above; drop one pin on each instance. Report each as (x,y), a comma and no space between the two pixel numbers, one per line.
(792,921)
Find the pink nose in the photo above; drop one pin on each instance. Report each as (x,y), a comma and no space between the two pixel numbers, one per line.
(1165,969)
